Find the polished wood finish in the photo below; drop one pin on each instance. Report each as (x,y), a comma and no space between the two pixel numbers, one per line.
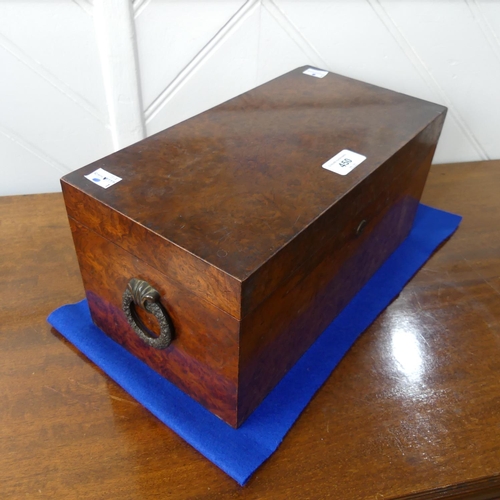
(263,235)
(274,336)
(411,412)
(214,200)
(203,358)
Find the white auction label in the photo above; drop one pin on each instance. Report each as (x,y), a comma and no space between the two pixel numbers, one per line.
(103,178)
(318,73)
(344,162)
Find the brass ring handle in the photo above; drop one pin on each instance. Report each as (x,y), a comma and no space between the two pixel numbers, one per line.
(140,293)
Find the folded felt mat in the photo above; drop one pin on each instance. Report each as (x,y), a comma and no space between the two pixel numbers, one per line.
(239,452)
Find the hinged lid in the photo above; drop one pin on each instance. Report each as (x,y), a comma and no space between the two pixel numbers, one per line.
(223,194)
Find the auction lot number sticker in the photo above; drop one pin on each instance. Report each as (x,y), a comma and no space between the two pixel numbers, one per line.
(344,162)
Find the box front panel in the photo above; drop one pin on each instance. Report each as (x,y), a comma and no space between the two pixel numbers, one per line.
(278,332)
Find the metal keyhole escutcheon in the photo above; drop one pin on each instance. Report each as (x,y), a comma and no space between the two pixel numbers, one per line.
(140,293)
(361,227)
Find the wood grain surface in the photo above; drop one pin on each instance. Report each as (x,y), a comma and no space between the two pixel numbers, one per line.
(230,366)
(214,199)
(413,410)
(264,234)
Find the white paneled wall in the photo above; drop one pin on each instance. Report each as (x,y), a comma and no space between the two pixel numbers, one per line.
(83,78)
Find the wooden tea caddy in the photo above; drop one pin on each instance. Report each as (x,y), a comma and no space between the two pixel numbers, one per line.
(226,248)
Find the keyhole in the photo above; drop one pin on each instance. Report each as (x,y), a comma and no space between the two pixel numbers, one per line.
(361,227)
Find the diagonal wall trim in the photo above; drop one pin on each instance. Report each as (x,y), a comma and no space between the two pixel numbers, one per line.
(23,143)
(425,74)
(294,33)
(50,78)
(205,52)
(486,28)
(115,33)
(85,5)
(139,6)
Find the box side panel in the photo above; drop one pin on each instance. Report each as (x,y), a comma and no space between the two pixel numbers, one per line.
(202,359)
(280,330)
(190,272)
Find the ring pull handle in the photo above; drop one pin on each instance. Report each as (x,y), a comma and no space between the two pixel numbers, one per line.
(140,293)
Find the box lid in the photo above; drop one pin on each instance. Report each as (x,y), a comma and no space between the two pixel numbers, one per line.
(231,188)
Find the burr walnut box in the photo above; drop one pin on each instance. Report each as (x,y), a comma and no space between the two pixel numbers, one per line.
(218,250)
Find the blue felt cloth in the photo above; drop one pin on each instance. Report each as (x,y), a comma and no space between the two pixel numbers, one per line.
(240,452)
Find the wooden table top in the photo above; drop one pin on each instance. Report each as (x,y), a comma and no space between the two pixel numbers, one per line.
(412,411)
